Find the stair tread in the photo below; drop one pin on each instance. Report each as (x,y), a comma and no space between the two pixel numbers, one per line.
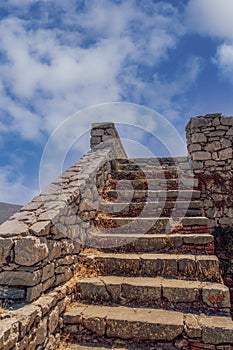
(154,282)
(151,256)
(156,236)
(148,323)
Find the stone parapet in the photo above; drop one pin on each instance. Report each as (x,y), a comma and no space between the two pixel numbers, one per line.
(210,145)
(105,135)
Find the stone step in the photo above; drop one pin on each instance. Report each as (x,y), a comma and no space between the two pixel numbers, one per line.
(125,323)
(142,166)
(153,184)
(183,266)
(146,324)
(142,225)
(90,346)
(157,292)
(159,184)
(157,243)
(155,173)
(86,347)
(149,209)
(147,174)
(134,194)
(155,161)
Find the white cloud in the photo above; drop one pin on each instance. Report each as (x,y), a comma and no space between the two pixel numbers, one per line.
(67,60)
(224,60)
(211,17)
(57,72)
(18,193)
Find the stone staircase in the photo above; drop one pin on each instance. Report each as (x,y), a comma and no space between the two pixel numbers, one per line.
(157,283)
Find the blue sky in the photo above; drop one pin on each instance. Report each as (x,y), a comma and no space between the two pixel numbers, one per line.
(59,57)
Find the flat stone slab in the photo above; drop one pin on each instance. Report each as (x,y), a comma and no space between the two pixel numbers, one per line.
(139,291)
(150,242)
(126,191)
(186,266)
(143,225)
(126,323)
(216,330)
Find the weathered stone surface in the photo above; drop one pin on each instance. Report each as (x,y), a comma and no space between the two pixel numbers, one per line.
(216,330)
(45,303)
(201,155)
(181,291)
(9,333)
(47,272)
(11,228)
(41,332)
(208,267)
(216,296)
(195,221)
(41,228)
(48,283)
(159,264)
(74,315)
(5,247)
(33,292)
(20,278)
(65,276)
(197,138)
(126,323)
(192,327)
(30,250)
(94,319)
(120,264)
(93,289)
(129,323)
(53,320)
(26,317)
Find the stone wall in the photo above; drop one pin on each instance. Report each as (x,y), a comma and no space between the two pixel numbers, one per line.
(104,135)
(39,245)
(37,325)
(210,141)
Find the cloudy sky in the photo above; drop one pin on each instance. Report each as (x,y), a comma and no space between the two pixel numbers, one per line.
(59,57)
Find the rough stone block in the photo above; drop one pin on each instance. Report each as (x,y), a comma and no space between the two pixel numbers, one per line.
(181,291)
(41,228)
(9,333)
(216,330)
(47,272)
(201,155)
(216,295)
(20,278)
(53,320)
(192,327)
(196,138)
(41,332)
(11,228)
(33,292)
(159,265)
(5,247)
(30,250)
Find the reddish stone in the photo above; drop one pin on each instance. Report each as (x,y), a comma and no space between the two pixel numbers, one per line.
(203,346)
(181,343)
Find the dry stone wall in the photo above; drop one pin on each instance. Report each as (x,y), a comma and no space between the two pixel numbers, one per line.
(105,135)
(40,245)
(210,142)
